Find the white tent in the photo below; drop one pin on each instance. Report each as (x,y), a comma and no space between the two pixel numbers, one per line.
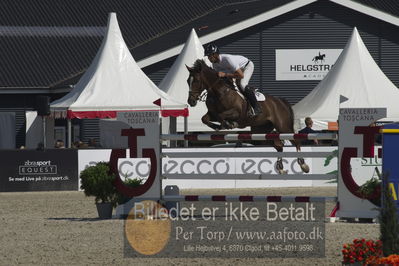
(175,84)
(356,76)
(114,82)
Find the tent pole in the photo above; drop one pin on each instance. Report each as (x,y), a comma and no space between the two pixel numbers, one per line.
(173,130)
(69,132)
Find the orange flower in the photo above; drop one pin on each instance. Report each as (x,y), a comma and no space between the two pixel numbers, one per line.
(364,251)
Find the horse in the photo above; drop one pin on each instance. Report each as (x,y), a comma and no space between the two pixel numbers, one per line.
(230,110)
(319,57)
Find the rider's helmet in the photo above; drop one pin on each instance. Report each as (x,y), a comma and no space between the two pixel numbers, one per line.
(211,49)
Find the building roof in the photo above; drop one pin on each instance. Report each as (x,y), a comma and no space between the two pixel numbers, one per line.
(48,44)
(390,7)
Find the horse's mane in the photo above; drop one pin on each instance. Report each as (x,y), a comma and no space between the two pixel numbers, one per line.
(199,64)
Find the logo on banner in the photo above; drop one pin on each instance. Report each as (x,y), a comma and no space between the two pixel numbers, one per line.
(37,168)
(318,58)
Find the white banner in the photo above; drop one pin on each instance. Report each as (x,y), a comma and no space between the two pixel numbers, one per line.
(305,64)
(362,168)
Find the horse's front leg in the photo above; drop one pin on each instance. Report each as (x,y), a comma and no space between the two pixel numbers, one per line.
(206,119)
(228,119)
(301,161)
(278,145)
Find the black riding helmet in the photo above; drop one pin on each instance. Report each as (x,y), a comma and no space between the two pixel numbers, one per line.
(211,49)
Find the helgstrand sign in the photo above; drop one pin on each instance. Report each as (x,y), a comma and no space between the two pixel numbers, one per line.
(305,64)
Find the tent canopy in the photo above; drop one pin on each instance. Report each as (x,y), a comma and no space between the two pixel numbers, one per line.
(175,83)
(114,82)
(356,76)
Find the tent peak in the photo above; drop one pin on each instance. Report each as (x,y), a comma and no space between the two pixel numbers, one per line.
(356,76)
(113,83)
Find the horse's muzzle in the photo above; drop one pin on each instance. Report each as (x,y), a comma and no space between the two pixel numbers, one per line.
(192,102)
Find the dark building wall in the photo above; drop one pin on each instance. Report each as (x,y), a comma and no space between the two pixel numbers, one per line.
(322,25)
(90,129)
(18,104)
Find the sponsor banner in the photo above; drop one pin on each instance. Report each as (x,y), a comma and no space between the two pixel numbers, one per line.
(305,64)
(30,170)
(363,168)
(228,166)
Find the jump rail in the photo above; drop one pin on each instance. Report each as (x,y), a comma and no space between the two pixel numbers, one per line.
(242,198)
(236,137)
(252,176)
(247,198)
(258,154)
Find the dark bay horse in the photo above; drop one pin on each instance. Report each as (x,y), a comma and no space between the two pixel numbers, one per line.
(230,110)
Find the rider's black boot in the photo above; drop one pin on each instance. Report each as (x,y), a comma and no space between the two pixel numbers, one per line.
(250,95)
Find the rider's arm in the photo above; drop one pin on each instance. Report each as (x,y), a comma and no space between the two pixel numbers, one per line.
(238,74)
(232,65)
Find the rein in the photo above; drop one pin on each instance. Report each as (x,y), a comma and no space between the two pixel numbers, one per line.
(203,95)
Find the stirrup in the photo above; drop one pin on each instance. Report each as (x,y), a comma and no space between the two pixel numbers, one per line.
(254,112)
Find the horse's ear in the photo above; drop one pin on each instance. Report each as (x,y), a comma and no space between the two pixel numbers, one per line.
(190,69)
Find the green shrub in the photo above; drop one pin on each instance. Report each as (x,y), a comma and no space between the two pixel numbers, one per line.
(97,181)
(121,199)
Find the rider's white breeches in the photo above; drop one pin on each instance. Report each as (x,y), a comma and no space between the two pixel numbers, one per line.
(248,71)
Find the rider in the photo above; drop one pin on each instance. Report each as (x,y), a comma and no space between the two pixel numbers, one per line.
(237,67)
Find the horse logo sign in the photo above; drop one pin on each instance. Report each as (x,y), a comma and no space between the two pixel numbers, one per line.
(304,64)
(318,58)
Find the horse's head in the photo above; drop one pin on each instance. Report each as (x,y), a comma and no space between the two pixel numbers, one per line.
(195,83)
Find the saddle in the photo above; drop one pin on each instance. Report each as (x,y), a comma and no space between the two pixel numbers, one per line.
(259,96)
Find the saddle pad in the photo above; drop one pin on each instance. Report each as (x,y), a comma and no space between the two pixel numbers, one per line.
(260,96)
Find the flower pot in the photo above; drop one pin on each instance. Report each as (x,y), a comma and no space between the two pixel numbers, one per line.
(104,210)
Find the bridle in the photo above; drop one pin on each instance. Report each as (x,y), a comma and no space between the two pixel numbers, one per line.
(203,95)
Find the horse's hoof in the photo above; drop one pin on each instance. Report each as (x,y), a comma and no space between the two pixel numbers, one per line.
(282,171)
(227,125)
(305,168)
